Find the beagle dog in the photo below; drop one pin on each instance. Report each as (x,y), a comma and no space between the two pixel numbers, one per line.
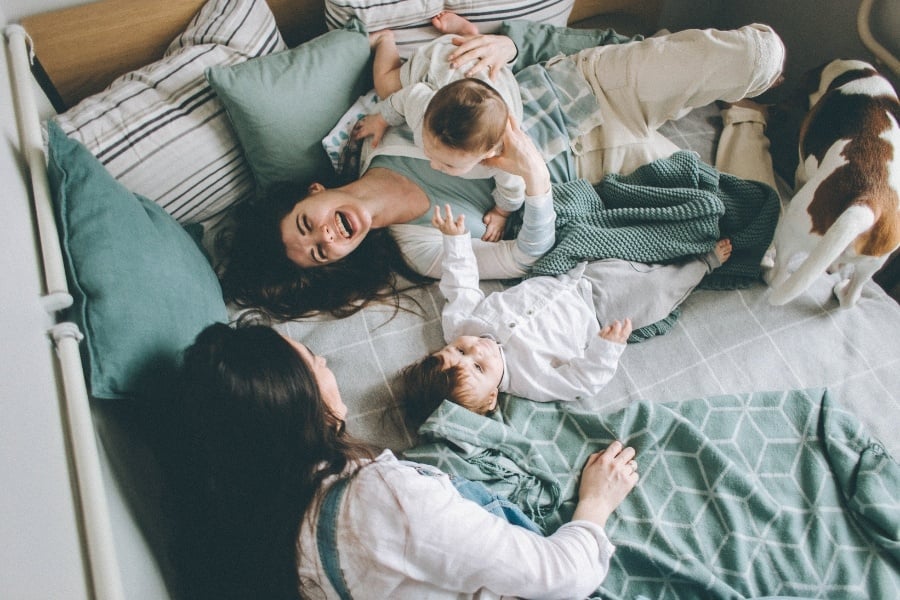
(845,213)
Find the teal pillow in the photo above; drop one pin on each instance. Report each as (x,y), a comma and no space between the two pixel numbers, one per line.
(283,104)
(143,289)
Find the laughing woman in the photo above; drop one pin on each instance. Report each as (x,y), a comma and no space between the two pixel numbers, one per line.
(594,112)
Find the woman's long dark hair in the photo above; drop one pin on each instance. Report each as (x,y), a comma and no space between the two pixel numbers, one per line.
(256,434)
(257,274)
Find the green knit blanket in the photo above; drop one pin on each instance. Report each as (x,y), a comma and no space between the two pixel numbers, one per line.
(670,208)
(741,496)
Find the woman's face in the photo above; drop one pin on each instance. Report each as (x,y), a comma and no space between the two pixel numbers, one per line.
(324,227)
(324,377)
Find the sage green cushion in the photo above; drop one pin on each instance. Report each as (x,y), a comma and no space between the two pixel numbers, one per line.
(142,287)
(283,104)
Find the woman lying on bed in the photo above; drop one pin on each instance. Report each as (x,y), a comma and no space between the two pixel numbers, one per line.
(284,498)
(588,114)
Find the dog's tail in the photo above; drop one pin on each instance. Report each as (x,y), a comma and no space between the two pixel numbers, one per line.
(849,225)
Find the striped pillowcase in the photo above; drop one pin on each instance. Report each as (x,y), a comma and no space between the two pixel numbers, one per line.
(411,19)
(162,131)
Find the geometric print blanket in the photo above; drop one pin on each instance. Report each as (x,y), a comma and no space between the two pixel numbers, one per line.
(741,496)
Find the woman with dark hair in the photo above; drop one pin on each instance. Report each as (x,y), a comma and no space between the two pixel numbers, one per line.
(286,504)
(594,112)
(257,273)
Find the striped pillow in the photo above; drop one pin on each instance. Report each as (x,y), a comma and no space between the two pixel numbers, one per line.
(162,131)
(411,19)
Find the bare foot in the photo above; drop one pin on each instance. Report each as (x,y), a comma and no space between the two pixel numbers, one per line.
(448,22)
(723,250)
(377,37)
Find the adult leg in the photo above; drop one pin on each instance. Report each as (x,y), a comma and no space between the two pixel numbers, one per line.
(743,147)
(743,150)
(641,85)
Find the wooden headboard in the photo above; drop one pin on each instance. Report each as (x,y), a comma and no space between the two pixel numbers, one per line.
(83,48)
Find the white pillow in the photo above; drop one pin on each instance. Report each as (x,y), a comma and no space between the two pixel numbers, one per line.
(162,131)
(411,19)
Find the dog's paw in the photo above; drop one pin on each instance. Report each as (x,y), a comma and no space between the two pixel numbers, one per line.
(846,294)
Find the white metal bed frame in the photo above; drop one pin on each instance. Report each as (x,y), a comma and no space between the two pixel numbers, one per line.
(94,512)
(105,577)
(865,34)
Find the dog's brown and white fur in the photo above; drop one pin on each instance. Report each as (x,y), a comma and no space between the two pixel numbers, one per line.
(845,212)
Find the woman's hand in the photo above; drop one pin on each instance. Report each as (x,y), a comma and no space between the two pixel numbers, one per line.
(447,224)
(520,156)
(371,125)
(607,478)
(490,52)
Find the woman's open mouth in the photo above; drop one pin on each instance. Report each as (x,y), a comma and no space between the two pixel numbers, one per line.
(343,226)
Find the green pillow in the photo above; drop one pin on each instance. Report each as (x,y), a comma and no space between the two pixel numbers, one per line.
(283,104)
(143,290)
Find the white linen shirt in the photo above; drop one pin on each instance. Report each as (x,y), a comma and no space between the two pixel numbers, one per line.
(428,70)
(546,325)
(404,535)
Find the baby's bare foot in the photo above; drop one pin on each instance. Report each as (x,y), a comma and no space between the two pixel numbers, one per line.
(723,250)
(375,38)
(448,22)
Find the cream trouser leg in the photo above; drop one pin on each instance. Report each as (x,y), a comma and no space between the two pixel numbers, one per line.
(744,148)
(641,85)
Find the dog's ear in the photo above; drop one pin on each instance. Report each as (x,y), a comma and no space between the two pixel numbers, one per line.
(851,75)
(812,79)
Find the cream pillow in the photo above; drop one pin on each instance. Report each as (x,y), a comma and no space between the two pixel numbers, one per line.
(411,19)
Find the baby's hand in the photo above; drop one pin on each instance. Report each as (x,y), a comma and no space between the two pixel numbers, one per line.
(372,125)
(495,224)
(617,332)
(447,224)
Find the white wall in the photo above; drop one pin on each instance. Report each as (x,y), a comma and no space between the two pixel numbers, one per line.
(816,31)
(40,552)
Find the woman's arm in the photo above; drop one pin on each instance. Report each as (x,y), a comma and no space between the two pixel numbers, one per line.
(426,532)
(422,247)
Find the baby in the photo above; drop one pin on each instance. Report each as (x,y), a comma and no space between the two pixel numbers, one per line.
(539,339)
(456,121)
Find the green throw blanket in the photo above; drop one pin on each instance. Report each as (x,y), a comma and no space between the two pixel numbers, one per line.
(667,209)
(770,493)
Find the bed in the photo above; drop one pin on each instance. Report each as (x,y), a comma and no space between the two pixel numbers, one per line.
(794,406)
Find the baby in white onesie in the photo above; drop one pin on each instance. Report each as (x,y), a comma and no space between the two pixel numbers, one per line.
(457,121)
(539,339)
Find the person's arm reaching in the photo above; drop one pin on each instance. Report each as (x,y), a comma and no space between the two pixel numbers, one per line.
(458,546)
(580,376)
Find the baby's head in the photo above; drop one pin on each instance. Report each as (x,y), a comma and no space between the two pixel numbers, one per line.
(467,371)
(464,124)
